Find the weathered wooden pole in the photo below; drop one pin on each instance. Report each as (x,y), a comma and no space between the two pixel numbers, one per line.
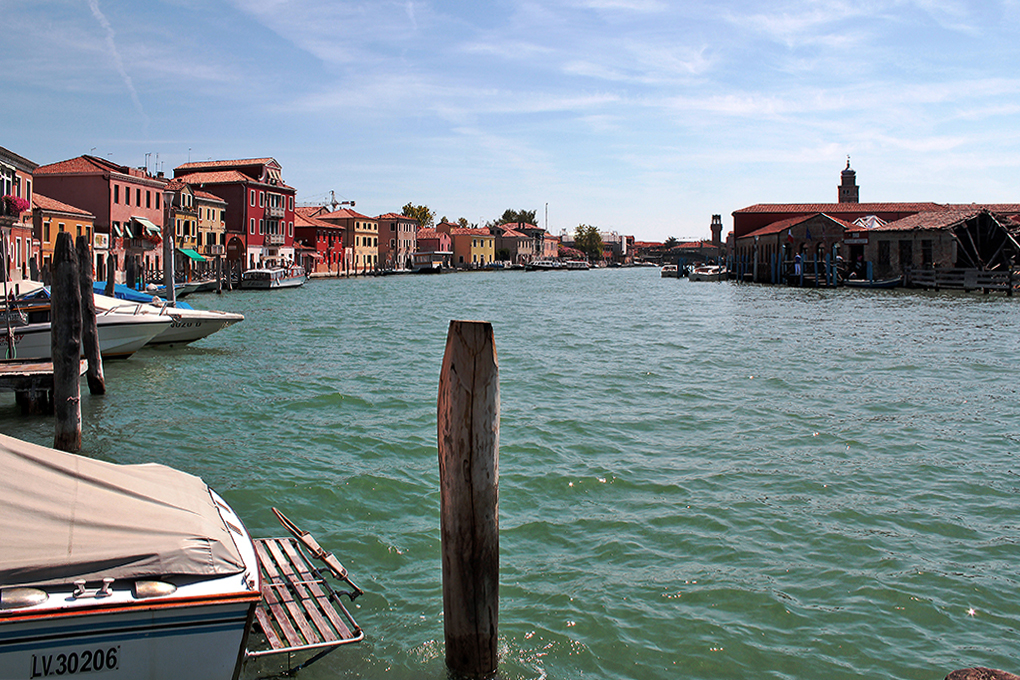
(65,345)
(468,434)
(89,329)
(111,274)
(219,274)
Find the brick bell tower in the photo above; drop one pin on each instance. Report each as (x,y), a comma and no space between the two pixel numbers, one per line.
(848,189)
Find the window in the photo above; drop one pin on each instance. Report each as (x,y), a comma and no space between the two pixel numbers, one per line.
(127,195)
(262,199)
(290,229)
(178,227)
(148,198)
(46,232)
(262,226)
(60,226)
(28,189)
(157,201)
(116,193)
(253,198)
(138,197)
(251,227)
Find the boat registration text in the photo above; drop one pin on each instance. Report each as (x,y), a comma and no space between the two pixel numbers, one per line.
(85,661)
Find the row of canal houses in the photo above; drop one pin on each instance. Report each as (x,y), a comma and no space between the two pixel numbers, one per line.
(240,210)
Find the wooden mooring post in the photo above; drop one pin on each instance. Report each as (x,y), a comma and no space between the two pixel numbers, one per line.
(89,328)
(65,341)
(468,436)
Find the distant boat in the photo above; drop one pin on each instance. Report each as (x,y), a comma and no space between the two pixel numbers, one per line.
(266,278)
(709,272)
(544,266)
(881,283)
(668,271)
(578,265)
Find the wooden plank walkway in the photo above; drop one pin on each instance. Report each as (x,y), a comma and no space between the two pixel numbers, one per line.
(32,382)
(299,610)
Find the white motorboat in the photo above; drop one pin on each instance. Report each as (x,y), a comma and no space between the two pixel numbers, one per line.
(143,571)
(120,335)
(708,272)
(576,265)
(668,271)
(544,266)
(274,277)
(187,325)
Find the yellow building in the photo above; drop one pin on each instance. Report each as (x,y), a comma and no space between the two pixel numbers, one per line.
(472,248)
(50,217)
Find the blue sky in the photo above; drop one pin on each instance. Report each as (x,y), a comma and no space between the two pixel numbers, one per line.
(640,116)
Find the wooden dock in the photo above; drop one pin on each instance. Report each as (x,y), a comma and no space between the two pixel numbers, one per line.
(32,384)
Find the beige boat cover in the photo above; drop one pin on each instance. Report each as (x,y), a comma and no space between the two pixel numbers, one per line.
(65,517)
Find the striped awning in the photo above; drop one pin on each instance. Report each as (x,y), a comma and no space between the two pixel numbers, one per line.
(147,225)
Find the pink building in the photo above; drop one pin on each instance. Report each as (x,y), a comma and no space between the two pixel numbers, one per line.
(397,240)
(16,182)
(127,204)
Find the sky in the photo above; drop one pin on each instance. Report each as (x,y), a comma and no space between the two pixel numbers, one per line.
(644,117)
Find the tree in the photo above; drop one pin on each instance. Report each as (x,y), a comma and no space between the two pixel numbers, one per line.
(517,216)
(588,240)
(670,242)
(426,218)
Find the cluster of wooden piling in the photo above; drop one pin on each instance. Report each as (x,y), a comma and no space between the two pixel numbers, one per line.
(54,386)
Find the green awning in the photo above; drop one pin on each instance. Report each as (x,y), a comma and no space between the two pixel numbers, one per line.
(192,254)
(149,226)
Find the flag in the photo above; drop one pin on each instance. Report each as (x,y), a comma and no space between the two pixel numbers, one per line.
(789,235)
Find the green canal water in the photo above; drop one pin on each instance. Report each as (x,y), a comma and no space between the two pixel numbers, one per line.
(698,480)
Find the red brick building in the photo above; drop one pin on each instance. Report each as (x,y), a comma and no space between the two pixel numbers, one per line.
(259,217)
(323,240)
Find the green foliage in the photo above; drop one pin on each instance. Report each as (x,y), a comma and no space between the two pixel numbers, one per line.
(670,242)
(514,216)
(588,240)
(426,218)
(463,222)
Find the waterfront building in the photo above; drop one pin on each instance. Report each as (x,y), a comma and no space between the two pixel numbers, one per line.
(472,247)
(18,243)
(361,233)
(259,217)
(211,241)
(435,250)
(962,237)
(848,190)
(49,218)
(513,246)
(127,204)
(765,254)
(324,241)
(397,240)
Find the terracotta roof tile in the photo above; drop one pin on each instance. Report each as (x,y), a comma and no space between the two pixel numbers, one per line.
(244,162)
(837,208)
(47,203)
(344,213)
(942,219)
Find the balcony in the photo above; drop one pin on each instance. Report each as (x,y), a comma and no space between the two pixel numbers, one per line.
(274,211)
(213,249)
(275,239)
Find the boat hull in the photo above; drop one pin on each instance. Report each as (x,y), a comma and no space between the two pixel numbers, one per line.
(186,640)
(120,336)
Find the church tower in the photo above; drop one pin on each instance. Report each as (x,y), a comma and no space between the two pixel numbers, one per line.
(848,189)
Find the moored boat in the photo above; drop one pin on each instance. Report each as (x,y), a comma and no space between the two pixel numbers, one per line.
(143,571)
(881,283)
(544,266)
(709,272)
(576,265)
(120,335)
(264,278)
(668,271)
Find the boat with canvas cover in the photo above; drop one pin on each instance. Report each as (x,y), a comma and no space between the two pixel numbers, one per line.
(274,277)
(133,571)
(143,571)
